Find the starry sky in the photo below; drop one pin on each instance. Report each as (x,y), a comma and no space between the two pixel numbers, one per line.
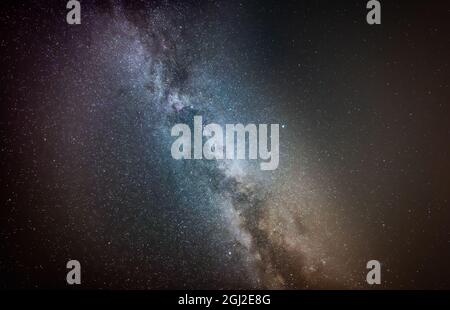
(87,173)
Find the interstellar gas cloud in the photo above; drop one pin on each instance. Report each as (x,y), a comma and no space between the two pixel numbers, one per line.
(91,173)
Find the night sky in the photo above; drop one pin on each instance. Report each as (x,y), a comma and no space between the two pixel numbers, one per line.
(87,174)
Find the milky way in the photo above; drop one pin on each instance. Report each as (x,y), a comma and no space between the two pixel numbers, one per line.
(157,69)
(168,70)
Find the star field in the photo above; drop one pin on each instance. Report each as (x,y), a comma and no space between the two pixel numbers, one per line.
(87,171)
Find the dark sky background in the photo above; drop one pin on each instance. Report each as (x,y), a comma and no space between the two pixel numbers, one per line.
(85,144)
